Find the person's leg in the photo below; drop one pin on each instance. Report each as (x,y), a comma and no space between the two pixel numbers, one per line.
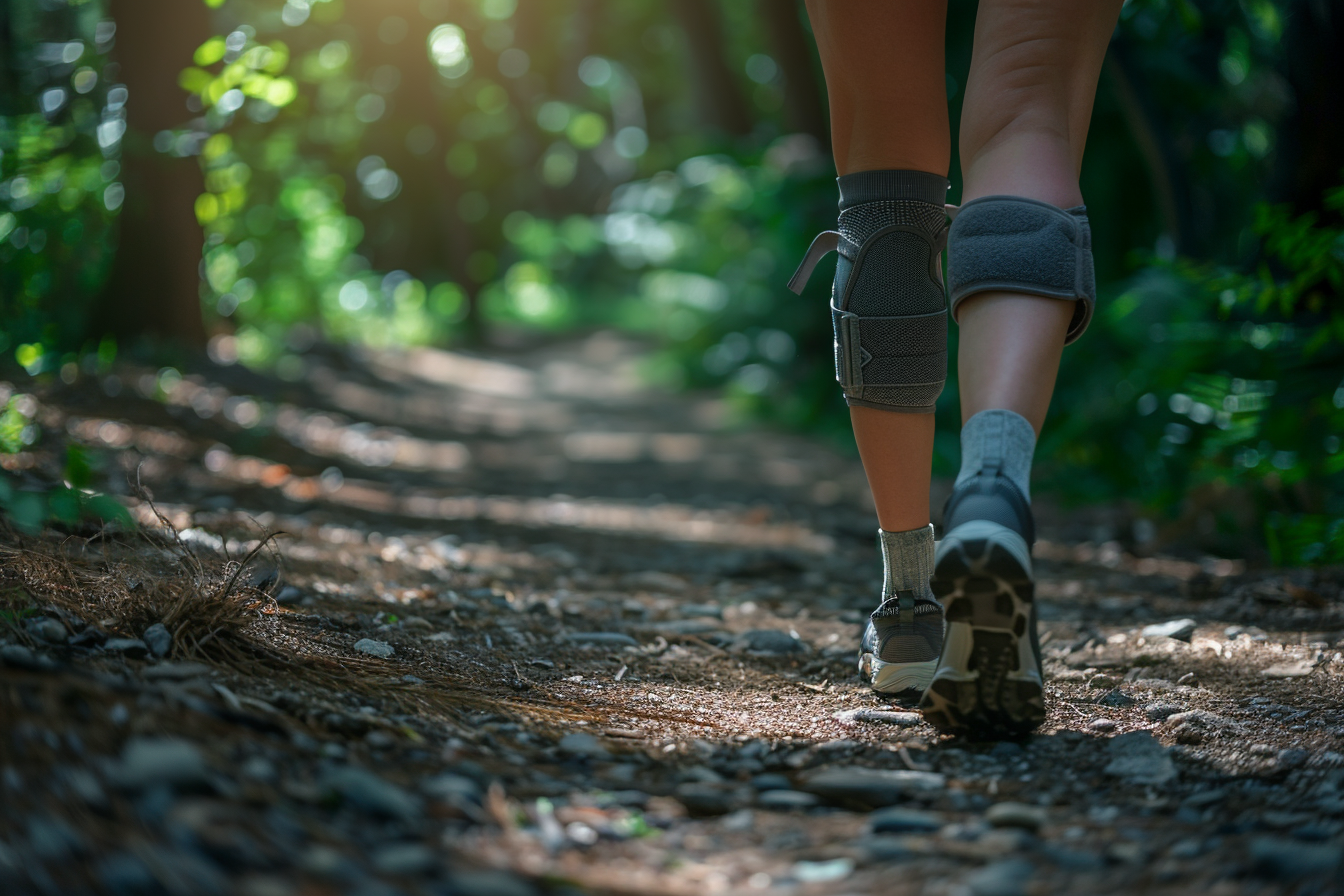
(885,78)
(886,84)
(1034,71)
(1024,123)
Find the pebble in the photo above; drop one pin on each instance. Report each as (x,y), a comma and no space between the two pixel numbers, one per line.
(92,636)
(1016,815)
(1179,629)
(601,639)
(289,595)
(1117,699)
(158,639)
(1102,725)
(771,781)
(176,671)
(870,788)
(580,743)
(374,648)
(490,883)
(259,768)
(1099,682)
(21,657)
(690,610)
(132,647)
(49,630)
(1286,859)
(404,859)
(706,799)
(1139,758)
(1158,712)
(1299,669)
(685,627)
(769,642)
(899,820)
(148,761)
(365,790)
(786,800)
(881,716)
(450,788)
(1004,878)
(823,871)
(1293,757)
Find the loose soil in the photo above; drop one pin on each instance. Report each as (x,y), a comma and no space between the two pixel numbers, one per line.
(447,623)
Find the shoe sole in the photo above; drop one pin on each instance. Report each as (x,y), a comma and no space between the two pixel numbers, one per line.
(988,681)
(906,681)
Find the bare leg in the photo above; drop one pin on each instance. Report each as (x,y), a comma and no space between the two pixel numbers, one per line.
(886,83)
(1028,104)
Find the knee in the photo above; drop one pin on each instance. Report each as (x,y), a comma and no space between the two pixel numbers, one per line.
(1018,90)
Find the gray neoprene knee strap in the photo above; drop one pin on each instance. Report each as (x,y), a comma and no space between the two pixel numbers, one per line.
(1021,245)
(888,307)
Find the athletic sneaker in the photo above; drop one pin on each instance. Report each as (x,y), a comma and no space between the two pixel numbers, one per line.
(988,681)
(899,647)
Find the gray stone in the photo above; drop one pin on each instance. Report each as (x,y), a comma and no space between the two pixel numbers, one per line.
(450,788)
(769,642)
(1097,682)
(1103,726)
(289,595)
(581,743)
(823,871)
(1017,815)
(601,639)
(685,627)
(690,610)
(1117,699)
(771,781)
(878,716)
(1299,669)
(490,883)
(176,671)
(900,820)
(48,629)
(259,768)
(132,647)
(20,657)
(370,793)
(1293,757)
(1140,759)
(158,639)
(870,788)
(785,800)
(706,798)
(1179,629)
(405,859)
(149,761)
(1158,712)
(1006,878)
(1287,859)
(380,649)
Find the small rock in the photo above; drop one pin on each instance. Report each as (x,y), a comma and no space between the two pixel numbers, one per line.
(48,629)
(374,648)
(132,647)
(1158,712)
(1287,859)
(741,820)
(1293,757)
(1299,669)
(20,657)
(259,768)
(176,671)
(1005,878)
(601,639)
(404,859)
(1179,629)
(289,595)
(450,788)
(691,610)
(441,636)
(870,788)
(899,820)
(769,642)
(147,761)
(1140,759)
(771,781)
(824,871)
(653,580)
(1117,699)
(786,800)
(490,883)
(1102,725)
(1102,682)
(365,790)
(684,627)
(705,798)
(158,639)
(92,636)
(580,743)
(879,716)
(1017,815)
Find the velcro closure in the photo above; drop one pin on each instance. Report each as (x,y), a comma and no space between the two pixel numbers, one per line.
(889,351)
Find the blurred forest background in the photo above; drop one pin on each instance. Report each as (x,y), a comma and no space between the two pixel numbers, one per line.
(251,178)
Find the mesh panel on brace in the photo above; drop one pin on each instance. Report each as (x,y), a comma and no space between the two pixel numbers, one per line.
(904,370)
(902,396)
(894,278)
(885,336)
(857,223)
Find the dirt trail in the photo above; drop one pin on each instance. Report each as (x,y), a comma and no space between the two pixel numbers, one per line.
(447,676)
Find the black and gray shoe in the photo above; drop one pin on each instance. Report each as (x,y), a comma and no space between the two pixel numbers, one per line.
(899,648)
(988,681)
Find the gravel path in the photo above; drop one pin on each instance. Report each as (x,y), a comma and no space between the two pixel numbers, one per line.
(448,677)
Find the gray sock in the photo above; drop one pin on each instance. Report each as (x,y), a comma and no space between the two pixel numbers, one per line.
(1002,436)
(907,561)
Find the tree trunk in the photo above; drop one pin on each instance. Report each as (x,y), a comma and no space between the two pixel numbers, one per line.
(804,109)
(154,288)
(1311,140)
(717,87)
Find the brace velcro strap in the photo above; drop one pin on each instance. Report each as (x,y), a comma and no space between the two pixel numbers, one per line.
(827,241)
(1015,244)
(889,351)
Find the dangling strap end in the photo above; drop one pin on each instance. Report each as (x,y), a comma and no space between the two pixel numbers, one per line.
(825,242)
